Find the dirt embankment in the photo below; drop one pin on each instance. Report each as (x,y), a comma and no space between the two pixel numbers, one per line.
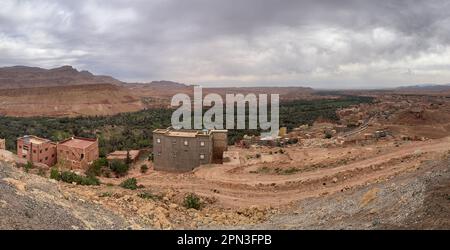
(33,202)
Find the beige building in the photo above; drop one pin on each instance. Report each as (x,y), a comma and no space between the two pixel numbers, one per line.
(184,150)
(77,152)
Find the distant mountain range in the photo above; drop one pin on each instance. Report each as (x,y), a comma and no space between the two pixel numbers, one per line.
(31,77)
(425,87)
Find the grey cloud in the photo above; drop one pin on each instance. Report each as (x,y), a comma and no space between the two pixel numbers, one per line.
(256,42)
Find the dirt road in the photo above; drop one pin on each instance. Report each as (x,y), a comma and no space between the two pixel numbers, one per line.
(238,189)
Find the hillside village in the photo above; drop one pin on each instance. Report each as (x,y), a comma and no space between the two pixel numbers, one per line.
(193,179)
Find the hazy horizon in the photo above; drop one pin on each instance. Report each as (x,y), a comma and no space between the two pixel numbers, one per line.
(318,44)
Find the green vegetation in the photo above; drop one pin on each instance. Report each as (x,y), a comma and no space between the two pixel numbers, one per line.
(54,174)
(28,166)
(192,201)
(149,196)
(144,168)
(134,130)
(71,177)
(130,183)
(97,167)
(118,167)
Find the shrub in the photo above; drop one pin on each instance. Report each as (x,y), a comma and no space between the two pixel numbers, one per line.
(28,166)
(41,172)
(71,177)
(54,174)
(118,167)
(130,183)
(144,168)
(95,169)
(147,195)
(192,201)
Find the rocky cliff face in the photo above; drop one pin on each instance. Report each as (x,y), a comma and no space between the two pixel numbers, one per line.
(31,77)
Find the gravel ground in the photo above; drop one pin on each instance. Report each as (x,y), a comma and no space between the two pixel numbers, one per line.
(416,200)
(32,202)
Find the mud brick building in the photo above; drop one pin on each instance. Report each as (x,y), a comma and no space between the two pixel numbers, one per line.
(37,150)
(184,150)
(77,152)
(122,156)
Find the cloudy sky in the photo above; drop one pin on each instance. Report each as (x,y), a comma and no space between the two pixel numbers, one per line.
(322,44)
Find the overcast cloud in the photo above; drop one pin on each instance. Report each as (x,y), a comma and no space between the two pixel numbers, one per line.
(322,44)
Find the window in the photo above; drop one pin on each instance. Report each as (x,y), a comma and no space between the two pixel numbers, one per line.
(82,156)
(40,151)
(34,151)
(24,156)
(46,149)
(202,156)
(53,156)
(20,146)
(186,143)
(40,160)
(46,158)
(158,140)
(202,144)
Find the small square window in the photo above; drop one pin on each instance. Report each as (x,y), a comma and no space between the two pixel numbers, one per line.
(202,156)
(158,140)
(186,143)
(46,149)
(202,144)
(46,158)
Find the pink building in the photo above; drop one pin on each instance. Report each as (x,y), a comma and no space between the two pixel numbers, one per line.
(77,152)
(37,150)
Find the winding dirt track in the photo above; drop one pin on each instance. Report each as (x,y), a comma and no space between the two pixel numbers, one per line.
(244,189)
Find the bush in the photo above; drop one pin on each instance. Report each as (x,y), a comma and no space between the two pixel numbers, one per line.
(54,174)
(118,167)
(147,195)
(41,172)
(144,168)
(71,177)
(192,201)
(130,183)
(28,166)
(95,169)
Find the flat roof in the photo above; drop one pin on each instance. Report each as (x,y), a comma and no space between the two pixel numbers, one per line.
(186,132)
(122,154)
(34,139)
(78,142)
